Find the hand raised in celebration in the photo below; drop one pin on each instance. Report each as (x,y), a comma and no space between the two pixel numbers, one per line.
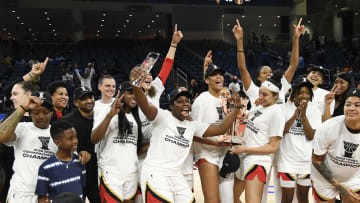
(208,58)
(302,108)
(39,68)
(238,31)
(177,36)
(238,101)
(117,105)
(331,95)
(139,72)
(298,29)
(31,103)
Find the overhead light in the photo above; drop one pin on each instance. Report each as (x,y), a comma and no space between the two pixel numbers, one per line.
(102,20)
(104,14)
(124,25)
(22,23)
(130,15)
(116,35)
(47,18)
(98,30)
(50,24)
(33,34)
(148,26)
(153,21)
(139,30)
(159,31)
(97,35)
(29,29)
(278,16)
(45,12)
(356,13)
(9,33)
(54,30)
(118,31)
(13,11)
(54,34)
(309,21)
(35,39)
(275,25)
(157,15)
(260,25)
(101,25)
(260,16)
(4,29)
(127,20)
(18,17)
(243,16)
(228,24)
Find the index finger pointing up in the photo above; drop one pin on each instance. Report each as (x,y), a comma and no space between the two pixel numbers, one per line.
(46,61)
(237,22)
(175,30)
(299,23)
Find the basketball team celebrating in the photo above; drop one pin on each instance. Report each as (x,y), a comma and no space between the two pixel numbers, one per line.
(125,148)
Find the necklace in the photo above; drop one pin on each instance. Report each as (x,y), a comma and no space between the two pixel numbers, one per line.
(66,163)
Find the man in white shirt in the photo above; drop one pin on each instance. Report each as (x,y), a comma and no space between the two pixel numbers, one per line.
(336,155)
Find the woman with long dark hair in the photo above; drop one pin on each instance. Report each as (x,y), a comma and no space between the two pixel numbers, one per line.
(119,136)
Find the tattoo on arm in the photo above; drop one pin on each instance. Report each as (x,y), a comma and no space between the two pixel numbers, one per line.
(7,128)
(325,172)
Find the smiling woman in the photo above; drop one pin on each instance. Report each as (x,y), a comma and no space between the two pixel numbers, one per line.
(60,98)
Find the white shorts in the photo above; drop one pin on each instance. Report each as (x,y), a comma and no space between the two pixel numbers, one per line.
(238,173)
(113,189)
(289,180)
(15,197)
(166,189)
(324,191)
(250,170)
(189,180)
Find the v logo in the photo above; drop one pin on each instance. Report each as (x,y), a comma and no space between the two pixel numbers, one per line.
(181,131)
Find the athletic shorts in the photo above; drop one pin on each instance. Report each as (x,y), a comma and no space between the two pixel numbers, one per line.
(213,159)
(324,191)
(189,180)
(114,190)
(165,189)
(289,180)
(252,170)
(238,173)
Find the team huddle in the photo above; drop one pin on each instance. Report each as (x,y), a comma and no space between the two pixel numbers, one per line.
(125,148)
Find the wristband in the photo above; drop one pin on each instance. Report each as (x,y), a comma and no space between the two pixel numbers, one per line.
(30,75)
(240,51)
(22,108)
(173,46)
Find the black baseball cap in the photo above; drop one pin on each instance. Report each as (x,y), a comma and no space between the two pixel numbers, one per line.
(45,97)
(81,91)
(231,163)
(125,86)
(178,93)
(213,69)
(302,82)
(317,68)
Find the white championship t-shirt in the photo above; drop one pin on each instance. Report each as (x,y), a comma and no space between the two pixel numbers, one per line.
(170,143)
(118,154)
(253,92)
(32,147)
(263,123)
(207,109)
(319,100)
(341,149)
(295,149)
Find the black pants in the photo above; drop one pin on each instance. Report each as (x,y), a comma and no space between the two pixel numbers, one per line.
(91,190)
(6,163)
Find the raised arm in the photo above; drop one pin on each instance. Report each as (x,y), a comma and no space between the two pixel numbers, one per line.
(99,132)
(169,60)
(7,128)
(207,61)
(244,73)
(329,98)
(294,59)
(148,109)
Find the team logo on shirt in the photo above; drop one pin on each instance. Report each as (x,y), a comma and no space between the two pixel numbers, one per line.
(349,149)
(181,131)
(44,142)
(256,114)
(220,111)
(298,122)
